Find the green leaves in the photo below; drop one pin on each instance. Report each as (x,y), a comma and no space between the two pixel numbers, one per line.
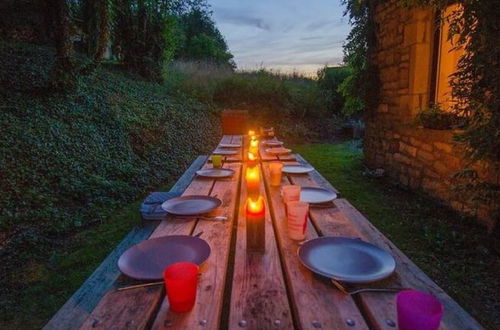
(69,160)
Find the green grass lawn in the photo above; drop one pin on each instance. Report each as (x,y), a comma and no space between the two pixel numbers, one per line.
(451,249)
(52,281)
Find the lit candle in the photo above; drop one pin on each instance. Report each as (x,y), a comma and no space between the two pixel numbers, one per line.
(256,215)
(254,147)
(252,159)
(252,177)
(251,133)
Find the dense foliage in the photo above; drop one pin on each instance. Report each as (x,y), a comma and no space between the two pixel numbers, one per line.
(298,107)
(200,40)
(434,117)
(360,89)
(332,79)
(69,159)
(142,34)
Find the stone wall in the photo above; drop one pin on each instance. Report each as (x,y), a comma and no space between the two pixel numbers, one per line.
(417,157)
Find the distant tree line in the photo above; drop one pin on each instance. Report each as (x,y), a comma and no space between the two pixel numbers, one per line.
(142,34)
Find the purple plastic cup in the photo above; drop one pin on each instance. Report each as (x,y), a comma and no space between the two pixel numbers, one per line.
(418,310)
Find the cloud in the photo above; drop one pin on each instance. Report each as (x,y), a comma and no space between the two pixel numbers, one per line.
(291,34)
(319,25)
(227,16)
(311,38)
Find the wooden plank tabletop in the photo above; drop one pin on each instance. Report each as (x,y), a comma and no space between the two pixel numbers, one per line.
(378,308)
(258,294)
(138,308)
(268,290)
(265,156)
(232,139)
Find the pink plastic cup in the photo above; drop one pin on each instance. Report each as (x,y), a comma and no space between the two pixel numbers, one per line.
(297,219)
(290,193)
(180,282)
(418,310)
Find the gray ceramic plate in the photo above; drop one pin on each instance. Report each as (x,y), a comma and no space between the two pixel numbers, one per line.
(191,205)
(346,259)
(278,151)
(272,143)
(215,173)
(315,195)
(148,259)
(225,152)
(229,145)
(297,169)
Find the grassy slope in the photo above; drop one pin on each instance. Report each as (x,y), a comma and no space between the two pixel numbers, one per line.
(450,249)
(68,162)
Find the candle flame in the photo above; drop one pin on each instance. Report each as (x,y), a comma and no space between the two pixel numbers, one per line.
(251,133)
(251,156)
(254,143)
(255,206)
(252,174)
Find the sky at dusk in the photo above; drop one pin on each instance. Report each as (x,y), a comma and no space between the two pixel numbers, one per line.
(285,35)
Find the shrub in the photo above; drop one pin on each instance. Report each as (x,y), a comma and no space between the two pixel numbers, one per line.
(67,161)
(436,118)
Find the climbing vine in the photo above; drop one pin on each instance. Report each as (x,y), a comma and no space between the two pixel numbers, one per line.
(475,84)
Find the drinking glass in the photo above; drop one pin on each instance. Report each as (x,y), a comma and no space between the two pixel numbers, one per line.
(290,193)
(297,219)
(217,161)
(275,171)
(180,282)
(418,310)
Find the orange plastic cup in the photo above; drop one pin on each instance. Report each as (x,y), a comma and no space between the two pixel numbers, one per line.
(275,171)
(181,280)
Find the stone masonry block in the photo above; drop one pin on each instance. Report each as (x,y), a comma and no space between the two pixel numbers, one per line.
(443,146)
(408,149)
(424,155)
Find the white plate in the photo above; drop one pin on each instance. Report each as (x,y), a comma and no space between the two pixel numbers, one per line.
(272,143)
(229,145)
(346,259)
(191,205)
(278,151)
(215,173)
(225,152)
(297,169)
(315,195)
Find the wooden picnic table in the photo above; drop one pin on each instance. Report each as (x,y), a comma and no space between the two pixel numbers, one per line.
(271,290)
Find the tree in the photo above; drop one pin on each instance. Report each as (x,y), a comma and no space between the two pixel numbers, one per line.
(62,76)
(202,40)
(142,32)
(96,26)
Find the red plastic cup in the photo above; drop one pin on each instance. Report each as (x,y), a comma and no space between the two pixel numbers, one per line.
(180,282)
(418,310)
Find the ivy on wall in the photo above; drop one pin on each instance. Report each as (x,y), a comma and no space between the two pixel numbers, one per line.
(476,83)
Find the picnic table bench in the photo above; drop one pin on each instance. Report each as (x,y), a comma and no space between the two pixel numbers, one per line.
(271,290)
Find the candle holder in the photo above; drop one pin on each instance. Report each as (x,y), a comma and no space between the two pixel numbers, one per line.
(252,159)
(256,232)
(254,147)
(252,178)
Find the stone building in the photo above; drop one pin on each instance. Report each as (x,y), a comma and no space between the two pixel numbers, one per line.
(415,58)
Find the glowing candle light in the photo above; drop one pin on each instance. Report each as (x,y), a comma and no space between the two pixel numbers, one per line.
(251,133)
(252,177)
(254,147)
(252,159)
(256,215)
